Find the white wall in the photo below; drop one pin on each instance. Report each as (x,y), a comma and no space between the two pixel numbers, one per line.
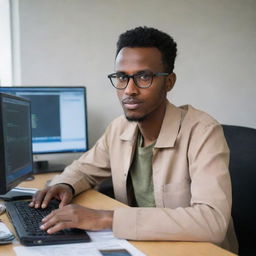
(72,42)
(5,44)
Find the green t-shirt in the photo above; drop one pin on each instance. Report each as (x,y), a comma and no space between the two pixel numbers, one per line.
(141,174)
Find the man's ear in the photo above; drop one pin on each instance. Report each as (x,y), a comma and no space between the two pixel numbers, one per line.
(170,81)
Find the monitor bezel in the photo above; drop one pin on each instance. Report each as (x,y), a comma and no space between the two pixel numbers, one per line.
(4,186)
(85,113)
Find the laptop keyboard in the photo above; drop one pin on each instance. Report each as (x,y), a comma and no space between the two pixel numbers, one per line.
(31,218)
(27,221)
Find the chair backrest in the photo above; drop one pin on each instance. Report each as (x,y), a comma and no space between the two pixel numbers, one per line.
(242,144)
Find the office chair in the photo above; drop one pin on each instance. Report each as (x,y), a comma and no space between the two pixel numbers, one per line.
(242,167)
(106,188)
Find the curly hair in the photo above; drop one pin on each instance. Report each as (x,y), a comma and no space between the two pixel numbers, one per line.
(150,37)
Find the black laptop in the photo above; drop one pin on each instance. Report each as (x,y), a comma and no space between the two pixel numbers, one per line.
(26,221)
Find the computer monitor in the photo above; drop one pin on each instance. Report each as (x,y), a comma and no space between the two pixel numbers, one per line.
(16,161)
(59,124)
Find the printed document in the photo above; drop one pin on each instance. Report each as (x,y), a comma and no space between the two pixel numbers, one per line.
(103,244)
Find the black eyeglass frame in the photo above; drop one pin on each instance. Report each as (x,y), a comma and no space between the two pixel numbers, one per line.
(110,76)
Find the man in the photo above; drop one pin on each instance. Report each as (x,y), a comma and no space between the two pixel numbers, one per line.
(169,163)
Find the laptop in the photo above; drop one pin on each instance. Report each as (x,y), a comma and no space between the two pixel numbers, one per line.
(26,221)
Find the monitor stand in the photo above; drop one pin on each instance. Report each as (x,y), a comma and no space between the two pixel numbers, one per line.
(44,167)
(40,166)
(18,194)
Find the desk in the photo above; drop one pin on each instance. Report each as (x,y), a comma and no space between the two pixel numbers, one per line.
(96,200)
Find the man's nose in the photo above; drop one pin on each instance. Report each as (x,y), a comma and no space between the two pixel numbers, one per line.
(131,88)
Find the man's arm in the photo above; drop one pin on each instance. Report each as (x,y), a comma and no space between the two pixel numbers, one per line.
(89,170)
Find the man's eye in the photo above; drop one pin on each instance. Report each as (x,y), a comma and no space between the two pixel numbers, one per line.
(122,78)
(144,77)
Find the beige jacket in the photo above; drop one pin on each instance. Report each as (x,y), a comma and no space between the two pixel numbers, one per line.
(190,175)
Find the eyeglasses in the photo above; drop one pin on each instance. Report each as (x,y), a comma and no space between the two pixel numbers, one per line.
(143,79)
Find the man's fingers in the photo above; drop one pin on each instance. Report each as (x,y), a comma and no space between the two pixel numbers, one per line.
(56,221)
(37,199)
(65,199)
(59,191)
(76,216)
(32,204)
(47,198)
(48,217)
(57,227)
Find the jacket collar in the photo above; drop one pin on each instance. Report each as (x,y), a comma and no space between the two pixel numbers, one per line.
(170,127)
(130,132)
(169,130)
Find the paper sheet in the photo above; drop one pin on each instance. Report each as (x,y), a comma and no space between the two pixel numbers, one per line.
(4,231)
(28,190)
(6,236)
(102,240)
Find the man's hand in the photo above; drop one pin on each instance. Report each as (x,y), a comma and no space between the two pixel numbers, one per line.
(76,216)
(61,192)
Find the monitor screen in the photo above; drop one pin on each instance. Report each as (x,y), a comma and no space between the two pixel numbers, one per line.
(16,161)
(58,119)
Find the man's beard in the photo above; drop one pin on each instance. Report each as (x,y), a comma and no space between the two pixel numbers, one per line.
(136,119)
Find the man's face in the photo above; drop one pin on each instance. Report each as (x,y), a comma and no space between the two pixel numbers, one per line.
(142,103)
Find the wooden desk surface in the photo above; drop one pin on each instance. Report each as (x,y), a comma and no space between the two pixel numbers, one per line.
(96,200)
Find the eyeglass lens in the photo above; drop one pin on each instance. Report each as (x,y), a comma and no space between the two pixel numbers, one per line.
(143,79)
